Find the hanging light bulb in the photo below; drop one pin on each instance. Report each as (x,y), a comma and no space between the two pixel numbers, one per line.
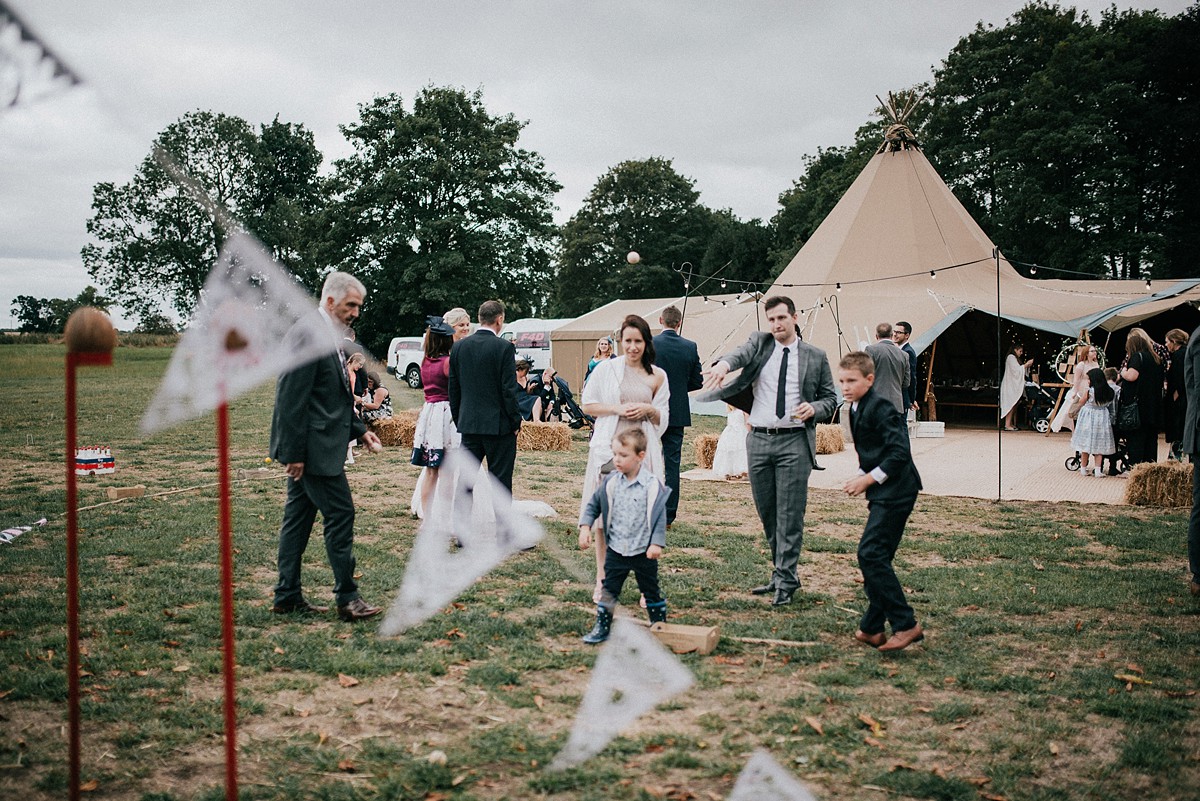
(933,273)
(1147,283)
(722,284)
(1032,269)
(706,298)
(839,286)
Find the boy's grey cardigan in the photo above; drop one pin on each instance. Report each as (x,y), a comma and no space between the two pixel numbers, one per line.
(656,508)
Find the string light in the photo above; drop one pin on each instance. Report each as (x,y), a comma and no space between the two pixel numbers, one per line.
(722,283)
(706,298)
(1032,269)
(1147,283)
(933,273)
(839,286)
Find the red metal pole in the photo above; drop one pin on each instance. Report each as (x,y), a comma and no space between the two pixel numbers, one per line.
(74,360)
(227,632)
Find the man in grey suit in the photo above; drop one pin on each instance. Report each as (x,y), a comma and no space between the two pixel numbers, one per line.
(313,422)
(785,387)
(1191,444)
(891,367)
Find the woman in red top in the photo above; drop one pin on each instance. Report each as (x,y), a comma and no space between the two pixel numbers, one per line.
(435,428)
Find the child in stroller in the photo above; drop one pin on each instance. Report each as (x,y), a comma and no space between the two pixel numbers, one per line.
(1039,404)
(558,404)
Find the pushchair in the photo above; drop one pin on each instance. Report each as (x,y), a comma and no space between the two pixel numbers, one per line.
(558,404)
(1039,405)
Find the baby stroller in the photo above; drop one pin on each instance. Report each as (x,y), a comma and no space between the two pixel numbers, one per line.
(1113,464)
(1039,405)
(558,404)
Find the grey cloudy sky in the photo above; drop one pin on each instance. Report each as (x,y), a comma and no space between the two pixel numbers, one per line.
(735,93)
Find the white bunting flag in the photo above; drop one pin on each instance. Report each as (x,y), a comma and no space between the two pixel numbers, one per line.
(633,674)
(764,780)
(473,510)
(253,322)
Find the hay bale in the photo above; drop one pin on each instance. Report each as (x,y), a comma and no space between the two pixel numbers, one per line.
(829,439)
(544,437)
(1160,484)
(706,449)
(397,430)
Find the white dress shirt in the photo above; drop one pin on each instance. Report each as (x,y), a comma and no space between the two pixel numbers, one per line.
(766,386)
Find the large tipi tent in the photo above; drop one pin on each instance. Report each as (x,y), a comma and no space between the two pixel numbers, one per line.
(899,245)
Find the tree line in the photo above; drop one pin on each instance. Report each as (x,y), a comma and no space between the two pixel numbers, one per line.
(1069,140)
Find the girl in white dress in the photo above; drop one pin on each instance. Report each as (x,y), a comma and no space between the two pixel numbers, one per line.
(1093,427)
(730,458)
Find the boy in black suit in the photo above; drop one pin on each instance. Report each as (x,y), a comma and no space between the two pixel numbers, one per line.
(890,480)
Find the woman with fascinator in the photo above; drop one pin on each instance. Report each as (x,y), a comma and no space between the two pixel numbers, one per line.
(460,322)
(435,431)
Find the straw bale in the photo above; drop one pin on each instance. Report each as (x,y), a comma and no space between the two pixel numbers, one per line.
(397,429)
(706,449)
(544,437)
(830,439)
(1160,484)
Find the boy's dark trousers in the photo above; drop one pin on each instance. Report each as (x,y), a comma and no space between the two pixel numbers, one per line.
(885,526)
(618,567)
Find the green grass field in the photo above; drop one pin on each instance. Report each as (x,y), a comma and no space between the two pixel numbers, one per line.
(1061,659)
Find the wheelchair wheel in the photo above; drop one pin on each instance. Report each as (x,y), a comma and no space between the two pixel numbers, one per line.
(1072,463)
(1042,426)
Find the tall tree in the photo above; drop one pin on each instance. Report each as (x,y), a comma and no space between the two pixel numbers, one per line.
(155,243)
(643,206)
(440,207)
(1059,135)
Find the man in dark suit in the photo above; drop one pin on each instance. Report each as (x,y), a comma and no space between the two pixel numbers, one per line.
(483,394)
(891,367)
(681,362)
(889,478)
(1191,444)
(313,422)
(901,332)
(786,387)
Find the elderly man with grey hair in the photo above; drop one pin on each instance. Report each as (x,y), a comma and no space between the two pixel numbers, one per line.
(313,422)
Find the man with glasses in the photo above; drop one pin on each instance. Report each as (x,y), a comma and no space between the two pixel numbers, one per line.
(901,331)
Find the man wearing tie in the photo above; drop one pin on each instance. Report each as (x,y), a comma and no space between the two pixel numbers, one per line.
(785,387)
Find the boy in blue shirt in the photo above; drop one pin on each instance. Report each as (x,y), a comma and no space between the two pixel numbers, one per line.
(630,507)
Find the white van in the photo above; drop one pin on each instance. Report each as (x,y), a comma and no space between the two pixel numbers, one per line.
(531,337)
(404,358)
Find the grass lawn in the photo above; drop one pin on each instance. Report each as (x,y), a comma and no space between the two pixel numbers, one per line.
(1032,610)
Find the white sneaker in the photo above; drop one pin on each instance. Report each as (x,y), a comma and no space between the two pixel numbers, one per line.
(1086,471)
(1099,472)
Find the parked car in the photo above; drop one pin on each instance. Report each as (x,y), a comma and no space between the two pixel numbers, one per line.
(404,358)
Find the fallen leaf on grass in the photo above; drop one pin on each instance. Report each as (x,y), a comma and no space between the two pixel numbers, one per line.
(457,780)
(1131,679)
(181,668)
(6,693)
(991,797)
(900,766)
(322,738)
(869,740)
(304,712)
(978,781)
(362,701)
(279,650)
(347,766)
(90,786)
(347,681)
(1168,693)
(1133,667)
(1053,749)
(876,727)
(6,633)
(456,633)
(815,725)
(539,701)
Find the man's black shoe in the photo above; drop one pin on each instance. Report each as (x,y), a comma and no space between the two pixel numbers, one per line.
(303,607)
(782,597)
(765,589)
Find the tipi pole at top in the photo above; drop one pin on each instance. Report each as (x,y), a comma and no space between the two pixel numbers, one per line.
(90,339)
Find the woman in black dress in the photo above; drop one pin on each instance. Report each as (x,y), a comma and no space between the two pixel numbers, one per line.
(1142,380)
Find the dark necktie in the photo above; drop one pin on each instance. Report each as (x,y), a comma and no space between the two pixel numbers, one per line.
(781,392)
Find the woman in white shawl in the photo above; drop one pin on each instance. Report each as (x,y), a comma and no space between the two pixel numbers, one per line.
(1087,358)
(1012,386)
(622,393)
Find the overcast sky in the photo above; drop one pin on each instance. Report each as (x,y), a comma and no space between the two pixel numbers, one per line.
(736,94)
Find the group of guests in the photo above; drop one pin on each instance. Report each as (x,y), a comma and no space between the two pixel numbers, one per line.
(1150,378)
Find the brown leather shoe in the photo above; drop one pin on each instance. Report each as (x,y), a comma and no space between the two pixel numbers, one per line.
(873,640)
(358,609)
(902,639)
(304,608)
